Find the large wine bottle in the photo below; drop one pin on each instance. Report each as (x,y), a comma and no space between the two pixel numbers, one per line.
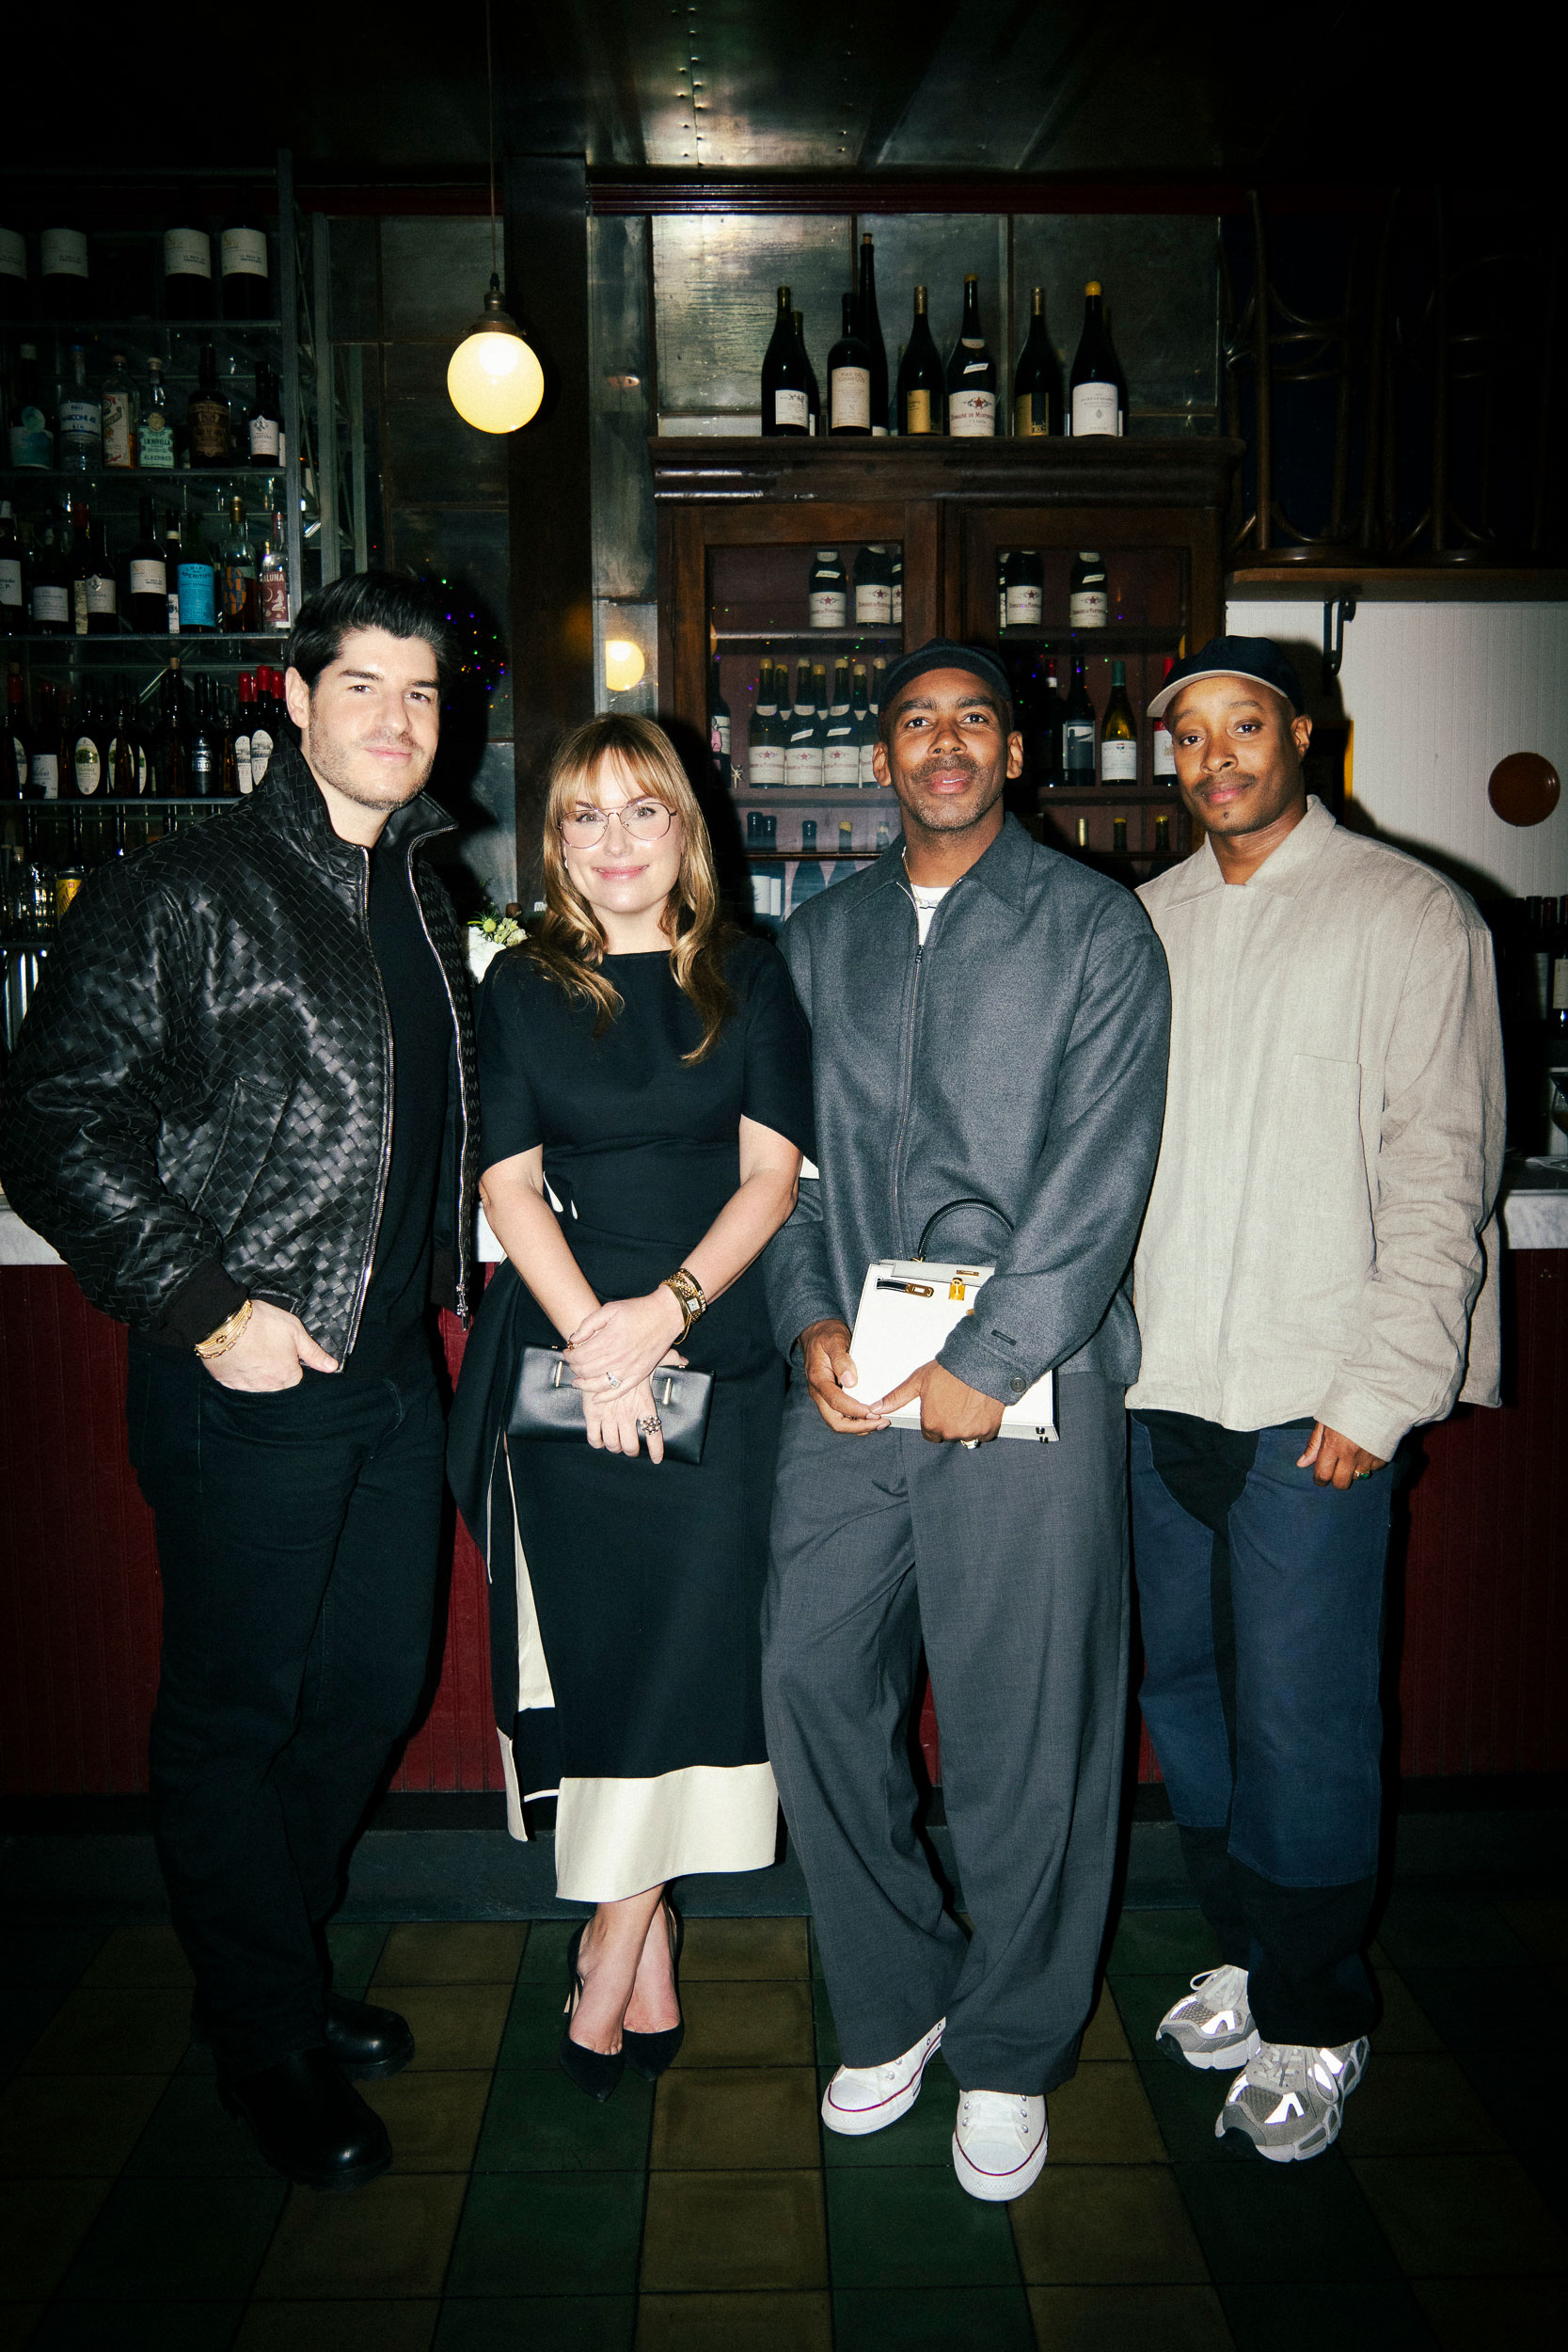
(922,394)
(804,743)
(765,733)
(813,397)
(850,379)
(1037,380)
(1077,732)
(1098,385)
(970,376)
(841,750)
(786,407)
(871,335)
(1119,733)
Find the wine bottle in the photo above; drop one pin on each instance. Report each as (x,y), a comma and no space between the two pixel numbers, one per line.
(1004,556)
(101,589)
(124,783)
(81,414)
(871,335)
(1077,732)
(850,379)
(13,744)
(1119,733)
(786,403)
(13,273)
(264,422)
(209,421)
(1088,603)
(1025,578)
(31,426)
(898,586)
(765,735)
(873,588)
(229,766)
(1037,380)
(120,414)
(242,259)
(1119,836)
(1162,751)
(195,585)
(43,750)
(829,593)
(970,376)
(271,588)
(203,747)
(719,729)
(814,395)
(170,747)
(64,283)
(237,575)
(841,750)
(809,878)
(13,597)
(922,393)
(1098,387)
(187,271)
(1045,744)
(803,744)
(50,597)
(155,438)
(264,726)
(81,562)
(89,765)
(878,678)
(244,722)
(147,576)
(171,568)
(864,726)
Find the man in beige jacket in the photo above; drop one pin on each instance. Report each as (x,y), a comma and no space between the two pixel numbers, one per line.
(1309,1288)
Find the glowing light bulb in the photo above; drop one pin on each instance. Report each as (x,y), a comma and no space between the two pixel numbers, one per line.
(494,379)
(624,664)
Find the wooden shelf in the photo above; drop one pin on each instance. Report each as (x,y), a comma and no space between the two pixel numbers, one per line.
(818,796)
(742,640)
(1120,637)
(1132,472)
(1397,583)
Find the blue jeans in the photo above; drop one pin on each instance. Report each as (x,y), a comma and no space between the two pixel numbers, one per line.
(1260,1594)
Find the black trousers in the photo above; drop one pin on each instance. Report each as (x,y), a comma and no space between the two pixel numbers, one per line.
(297,1537)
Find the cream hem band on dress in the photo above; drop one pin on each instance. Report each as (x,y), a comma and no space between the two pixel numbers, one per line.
(615,1837)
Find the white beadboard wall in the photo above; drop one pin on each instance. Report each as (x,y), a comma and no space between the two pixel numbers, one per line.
(1438,694)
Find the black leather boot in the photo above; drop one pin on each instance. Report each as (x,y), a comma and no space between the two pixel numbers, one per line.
(369,2043)
(309,2123)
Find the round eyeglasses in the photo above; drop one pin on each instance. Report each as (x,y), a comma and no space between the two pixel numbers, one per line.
(645,820)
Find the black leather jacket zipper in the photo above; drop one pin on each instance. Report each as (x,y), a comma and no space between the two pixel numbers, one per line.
(389,1081)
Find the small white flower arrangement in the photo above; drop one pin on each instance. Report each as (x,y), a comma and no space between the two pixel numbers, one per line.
(489,934)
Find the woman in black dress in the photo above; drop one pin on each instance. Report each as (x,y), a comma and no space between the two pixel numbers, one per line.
(645,1098)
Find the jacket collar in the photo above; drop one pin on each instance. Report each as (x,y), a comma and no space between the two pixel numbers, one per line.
(1281,872)
(290,803)
(1004,869)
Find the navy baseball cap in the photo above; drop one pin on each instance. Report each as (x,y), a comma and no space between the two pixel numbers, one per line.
(941,653)
(1231,657)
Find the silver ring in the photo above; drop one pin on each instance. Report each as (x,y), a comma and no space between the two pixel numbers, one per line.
(650,1428)
(613,1379)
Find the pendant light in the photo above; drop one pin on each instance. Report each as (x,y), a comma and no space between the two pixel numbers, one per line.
(494,379)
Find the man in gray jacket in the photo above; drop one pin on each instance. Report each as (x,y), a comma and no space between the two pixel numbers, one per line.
(989,1034)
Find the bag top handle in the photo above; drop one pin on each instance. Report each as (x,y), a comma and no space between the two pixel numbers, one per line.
(970,1201)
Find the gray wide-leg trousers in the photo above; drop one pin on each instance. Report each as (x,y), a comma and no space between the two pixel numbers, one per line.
(1011,1564)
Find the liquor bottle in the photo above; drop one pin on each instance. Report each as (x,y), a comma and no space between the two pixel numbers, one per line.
(850,379)
(970,376)
(864,726)
(195,586)
(243,258)
(803,743)
(43,750)
(1162,759)
(13,744)
(871,336)
(49,598)
(209,424)
(101,587)
(841,750)
(786,403)
(187,271)
(1037,380)
(1023,579)
(829,591)
(13,586)
(1088,603)
(922,392)
(814,395)
(237,575)
(119,407)
(873,588)
(155,438)
(171,568)
(201,746)
(719,729)
(147,576)
(30,423)
(89,773)
(263,421)
(64,283)
(765,734)
(13,274)
(263,728)
(1119,733)
(1077,732)
(245,720)
(272,588)
(1097,385)
(810,881)
(81,417)
(1045,738)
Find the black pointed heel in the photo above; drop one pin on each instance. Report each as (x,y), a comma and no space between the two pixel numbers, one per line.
(650,2055)
(597,2072)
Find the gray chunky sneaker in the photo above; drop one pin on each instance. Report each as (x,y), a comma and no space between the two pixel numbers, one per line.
(1289,2101)
(1212,2025)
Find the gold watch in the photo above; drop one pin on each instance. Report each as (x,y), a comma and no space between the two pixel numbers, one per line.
(218,1343)
(690,1296)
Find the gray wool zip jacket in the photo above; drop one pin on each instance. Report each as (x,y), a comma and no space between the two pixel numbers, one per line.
(1018,1059)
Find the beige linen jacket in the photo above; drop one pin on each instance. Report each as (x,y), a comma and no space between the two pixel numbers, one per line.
(1319,1233)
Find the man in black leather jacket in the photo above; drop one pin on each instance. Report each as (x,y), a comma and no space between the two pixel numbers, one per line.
(240,1110)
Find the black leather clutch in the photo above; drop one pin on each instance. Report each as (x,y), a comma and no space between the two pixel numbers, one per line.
(545,1403)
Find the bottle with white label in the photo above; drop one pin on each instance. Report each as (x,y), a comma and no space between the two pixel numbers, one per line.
(841,750)
(242,258)
(187,271)
(30,425)
(719,729)
(827,595)
(898,587)
(147,576)
(49,600)
(1097,390)
(13,612)
(155,436)
(1088,603)
(196,584)
(264,425)
(1023,588)
(100,590)
(245,781)
(272,587)
(264,728)
(1002,556)
(120,414)
(864,726)
(1118,734)
(1162,751)
(873,588)
(786,403)
(81,414)
(13,273)
(850,379)
(64,285)
(806,736)
(44,750)
(971,377)
(1077,732)
(765,733)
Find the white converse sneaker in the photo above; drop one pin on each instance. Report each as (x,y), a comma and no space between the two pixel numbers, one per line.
(862,2099)
(999,2143)
(1212,2025)
(1289,2101)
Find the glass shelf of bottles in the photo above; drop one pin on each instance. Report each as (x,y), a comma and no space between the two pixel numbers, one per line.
(1115,638)
(235,645)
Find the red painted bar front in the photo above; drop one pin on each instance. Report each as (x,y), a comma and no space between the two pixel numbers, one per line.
(1478,1610)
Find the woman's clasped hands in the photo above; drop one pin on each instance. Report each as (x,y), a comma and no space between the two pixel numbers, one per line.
(613,1352)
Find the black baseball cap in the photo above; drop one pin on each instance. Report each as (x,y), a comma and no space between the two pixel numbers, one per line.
(943,653)
(1232,657)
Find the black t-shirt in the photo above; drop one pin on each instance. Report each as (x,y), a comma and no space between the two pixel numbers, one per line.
(392,1326)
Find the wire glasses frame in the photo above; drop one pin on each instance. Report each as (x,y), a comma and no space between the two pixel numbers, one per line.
(645,820)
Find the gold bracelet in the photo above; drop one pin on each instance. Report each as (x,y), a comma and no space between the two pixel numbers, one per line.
(690,1296)
(218,1343)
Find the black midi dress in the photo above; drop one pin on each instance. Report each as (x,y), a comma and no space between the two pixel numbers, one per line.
(625,1595)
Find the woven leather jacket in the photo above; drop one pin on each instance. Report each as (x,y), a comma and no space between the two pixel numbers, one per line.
(199,1104)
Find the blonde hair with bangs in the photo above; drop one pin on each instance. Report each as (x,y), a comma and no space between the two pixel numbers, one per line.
(570,942)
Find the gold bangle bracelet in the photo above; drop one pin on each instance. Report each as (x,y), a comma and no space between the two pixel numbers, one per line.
(690,1296)
(218,1343)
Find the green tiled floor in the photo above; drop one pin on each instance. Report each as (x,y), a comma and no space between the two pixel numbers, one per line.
(712,2214)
